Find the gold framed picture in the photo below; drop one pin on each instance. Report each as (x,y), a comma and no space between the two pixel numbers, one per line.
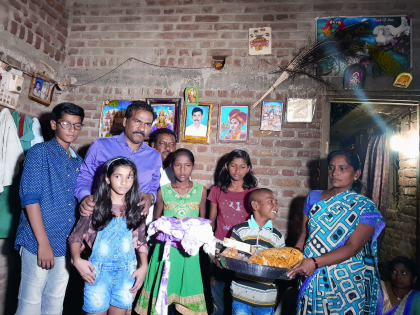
(196,123)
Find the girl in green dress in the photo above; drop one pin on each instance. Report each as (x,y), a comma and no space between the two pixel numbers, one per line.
(182,199)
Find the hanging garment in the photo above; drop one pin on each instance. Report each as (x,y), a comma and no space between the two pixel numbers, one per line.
(36,130)
(11,152)
(24,127)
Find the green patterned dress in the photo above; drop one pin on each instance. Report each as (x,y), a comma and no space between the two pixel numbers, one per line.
(185,286)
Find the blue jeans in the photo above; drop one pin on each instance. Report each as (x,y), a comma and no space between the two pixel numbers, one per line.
(114,262)
(220,290)
(42,291)
(239,308)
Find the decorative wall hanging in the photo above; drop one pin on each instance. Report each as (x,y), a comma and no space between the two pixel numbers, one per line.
(271,116)
(196,123)
(355,77)
(7,98)
(382,44)
(167,111)
(300,110)
(41,90)
(260,41)
(403,80)
(191,96)
(112,117)
(233,123)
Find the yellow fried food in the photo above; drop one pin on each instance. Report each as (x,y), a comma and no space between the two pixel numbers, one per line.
(230,252)
(282,257)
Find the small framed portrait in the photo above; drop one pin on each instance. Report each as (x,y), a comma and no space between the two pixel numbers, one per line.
(41,90)
(196,123)
(191,96)
(233,123)
(271,116)
(355,76)
(167,111)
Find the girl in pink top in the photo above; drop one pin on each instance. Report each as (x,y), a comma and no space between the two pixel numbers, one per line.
(229,205)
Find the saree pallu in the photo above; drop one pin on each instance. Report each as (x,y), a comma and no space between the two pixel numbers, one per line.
(351,287)
(410,305)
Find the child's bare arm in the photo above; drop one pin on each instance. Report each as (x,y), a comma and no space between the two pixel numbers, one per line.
(202,208)
(84,267)
(213,214)
(140,273)
(45,252)
(159,205)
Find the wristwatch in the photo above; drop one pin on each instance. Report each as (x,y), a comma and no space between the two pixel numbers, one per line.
(153,198)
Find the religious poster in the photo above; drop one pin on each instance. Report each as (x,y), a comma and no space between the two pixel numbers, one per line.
(271,116)
(233,123)
(167,111)
(112,117)
(382,44)
(260,41)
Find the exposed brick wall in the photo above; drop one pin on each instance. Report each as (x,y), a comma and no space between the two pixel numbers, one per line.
(42,24)
(400,231)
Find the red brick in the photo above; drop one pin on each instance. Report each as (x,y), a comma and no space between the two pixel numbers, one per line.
(287,153)
(17,18)
(30,37)
(288,162)
(288,133)
(266,162)
(13,28)
(309,134)
(286,182)
(264,152)
(207,18)
(265,171)
(78,28)
(288,193)
(21,32)
(267,143)
(310,154)
(221,150)
(315,144)
(187,27)
(80,61)
(288,172)
(289,144)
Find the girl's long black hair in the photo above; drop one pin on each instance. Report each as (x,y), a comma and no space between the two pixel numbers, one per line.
(224,178)
(353,160)
(102,213)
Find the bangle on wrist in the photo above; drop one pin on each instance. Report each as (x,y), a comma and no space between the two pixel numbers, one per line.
(316,264)
(298,249)
(153,198)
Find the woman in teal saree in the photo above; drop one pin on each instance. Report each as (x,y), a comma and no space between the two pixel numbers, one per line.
(338,240)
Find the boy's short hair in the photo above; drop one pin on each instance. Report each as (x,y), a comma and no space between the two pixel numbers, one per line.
(136,105)
(67,108)
(253,196)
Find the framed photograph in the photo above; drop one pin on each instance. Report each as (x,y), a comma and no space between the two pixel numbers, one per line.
(167,111)
(112,117)
(271,116)
(233,123)
(300,110)
(196,123)
(191,96)
(40,90)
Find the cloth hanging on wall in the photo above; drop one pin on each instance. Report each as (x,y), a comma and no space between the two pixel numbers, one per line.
(36,130)
(11,152)
(24,127)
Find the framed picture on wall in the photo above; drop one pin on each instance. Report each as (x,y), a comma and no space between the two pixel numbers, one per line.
(196,123)
(41,90)
(167,111)
(271,116)
(112,116)
(233,123)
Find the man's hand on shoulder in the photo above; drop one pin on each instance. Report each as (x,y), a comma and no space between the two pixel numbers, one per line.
(87,205)
(146,201)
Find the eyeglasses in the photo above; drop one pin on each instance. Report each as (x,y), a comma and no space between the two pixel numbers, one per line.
(166,144)
(67,125)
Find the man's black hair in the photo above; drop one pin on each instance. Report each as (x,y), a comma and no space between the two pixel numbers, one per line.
(136,105)
(197,109)
(155,135)
(67,108)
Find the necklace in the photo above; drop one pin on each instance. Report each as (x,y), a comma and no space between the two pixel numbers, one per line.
(121,213)
(398,298)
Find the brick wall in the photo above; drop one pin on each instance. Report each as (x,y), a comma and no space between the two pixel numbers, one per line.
(400,231)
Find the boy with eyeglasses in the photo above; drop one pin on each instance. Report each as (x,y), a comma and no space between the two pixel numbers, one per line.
(48,216)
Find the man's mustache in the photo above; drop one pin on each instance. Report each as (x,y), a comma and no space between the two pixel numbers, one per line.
(196,119)
(140,132)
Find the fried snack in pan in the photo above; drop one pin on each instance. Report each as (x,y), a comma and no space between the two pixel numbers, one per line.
(282,257)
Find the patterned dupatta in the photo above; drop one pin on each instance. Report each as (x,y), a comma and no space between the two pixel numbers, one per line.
(410,305)
(351,287)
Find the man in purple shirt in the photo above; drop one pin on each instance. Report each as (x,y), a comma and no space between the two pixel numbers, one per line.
(137,123)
